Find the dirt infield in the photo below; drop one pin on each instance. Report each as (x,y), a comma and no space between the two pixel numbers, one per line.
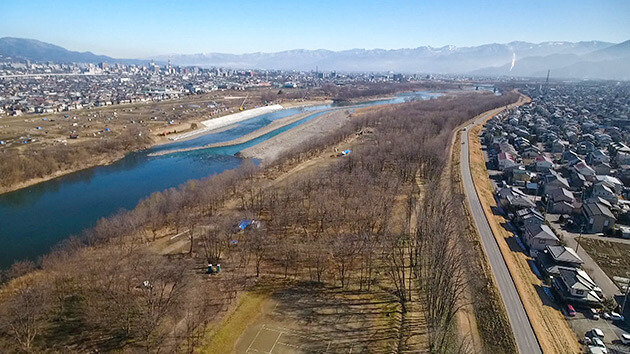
(321,320)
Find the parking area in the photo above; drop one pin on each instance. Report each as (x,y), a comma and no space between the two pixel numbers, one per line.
(581,323)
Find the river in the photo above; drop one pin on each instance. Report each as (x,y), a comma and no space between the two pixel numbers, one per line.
(34,219)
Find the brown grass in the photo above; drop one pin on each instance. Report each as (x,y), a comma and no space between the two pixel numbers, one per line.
(550,326)
(612,257)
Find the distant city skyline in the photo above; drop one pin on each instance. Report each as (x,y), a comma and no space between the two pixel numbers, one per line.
(141,29)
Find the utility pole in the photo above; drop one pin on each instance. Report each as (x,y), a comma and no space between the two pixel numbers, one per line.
(579,238)
(625,297)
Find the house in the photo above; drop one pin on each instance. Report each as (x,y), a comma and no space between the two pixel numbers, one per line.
(575,286)
(600,190)
(543,163)
(531,152)
(559,146)
(598,156)
(585,170)
(561,201)
(561,194)
(539,236)
(529,215)
(554,180)
(611,182)
(554,257)
(505,160)
(569,156)
(598,217)
(517,175)
(602,168)
(622,158)
(514,199)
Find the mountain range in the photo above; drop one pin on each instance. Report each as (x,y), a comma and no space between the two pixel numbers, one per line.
(578,60)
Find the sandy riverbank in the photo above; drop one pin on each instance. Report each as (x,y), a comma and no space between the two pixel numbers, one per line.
(269,150)
(276,124)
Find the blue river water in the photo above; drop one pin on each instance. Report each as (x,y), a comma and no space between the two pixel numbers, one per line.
(34,219)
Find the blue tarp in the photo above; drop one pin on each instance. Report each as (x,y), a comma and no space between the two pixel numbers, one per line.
(243,224)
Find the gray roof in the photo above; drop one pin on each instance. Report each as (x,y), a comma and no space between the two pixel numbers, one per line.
(540,231)
(564,254)
(598,209)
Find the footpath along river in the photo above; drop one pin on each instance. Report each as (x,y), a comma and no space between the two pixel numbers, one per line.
(34,219)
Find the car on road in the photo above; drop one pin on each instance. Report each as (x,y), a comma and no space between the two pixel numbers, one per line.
(625,338)
(570,310)
(594,314)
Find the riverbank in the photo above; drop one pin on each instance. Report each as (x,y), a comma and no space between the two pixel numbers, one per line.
(270,149)
(103,161)
(110,158)
(275,125)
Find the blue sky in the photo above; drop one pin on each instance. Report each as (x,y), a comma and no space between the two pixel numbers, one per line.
(145,28)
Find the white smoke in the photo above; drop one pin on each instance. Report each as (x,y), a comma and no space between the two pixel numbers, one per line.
(513,60)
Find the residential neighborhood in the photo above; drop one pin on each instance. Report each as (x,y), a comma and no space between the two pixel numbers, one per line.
(561,166)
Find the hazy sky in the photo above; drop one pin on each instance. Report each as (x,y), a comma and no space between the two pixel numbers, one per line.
(145,28)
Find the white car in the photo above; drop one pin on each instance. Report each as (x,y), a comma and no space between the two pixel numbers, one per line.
(596,333)
(625,338)
(596,342)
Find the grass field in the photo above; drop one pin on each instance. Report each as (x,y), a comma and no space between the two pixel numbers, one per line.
(224,339)
(612,257)
(552,330)
(314,319)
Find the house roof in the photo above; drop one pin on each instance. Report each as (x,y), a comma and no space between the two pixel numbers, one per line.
(592,209)
(540,231)
(559,193)
(564,254)
(505,156)
(609,180)
(577,278)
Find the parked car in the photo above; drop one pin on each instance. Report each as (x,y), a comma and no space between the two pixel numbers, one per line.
(570,310)
(606,315)
(596,333)
(594,314)
(596,350)
(625,338)
(596,342)
(616,317)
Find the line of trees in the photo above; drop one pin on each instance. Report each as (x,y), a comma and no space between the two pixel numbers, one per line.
(19,165)
(111,288)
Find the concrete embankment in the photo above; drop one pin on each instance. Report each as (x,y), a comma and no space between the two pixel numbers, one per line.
(271,149)
(218,123)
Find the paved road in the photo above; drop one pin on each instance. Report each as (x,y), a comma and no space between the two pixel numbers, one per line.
(522,328)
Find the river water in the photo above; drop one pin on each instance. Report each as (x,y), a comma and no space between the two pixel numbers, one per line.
(34,219)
